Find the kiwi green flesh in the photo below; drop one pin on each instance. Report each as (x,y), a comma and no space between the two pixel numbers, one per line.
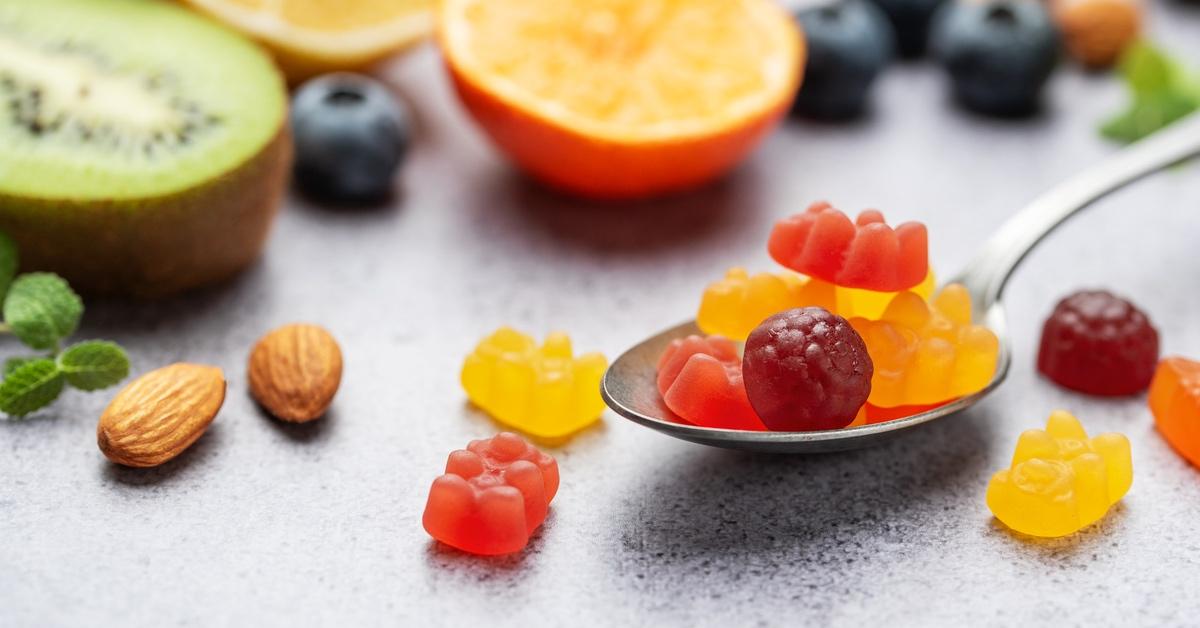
(126,102)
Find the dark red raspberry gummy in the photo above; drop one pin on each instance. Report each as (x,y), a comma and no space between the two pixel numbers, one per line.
(806,369)
(1098,343)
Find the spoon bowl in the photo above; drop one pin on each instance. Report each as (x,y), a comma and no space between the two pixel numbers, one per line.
(629,385)
(629,389)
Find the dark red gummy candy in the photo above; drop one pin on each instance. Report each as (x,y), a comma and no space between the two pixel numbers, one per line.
(1098,343)
(806,369)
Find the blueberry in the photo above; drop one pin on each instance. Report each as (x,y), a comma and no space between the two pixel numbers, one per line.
(999,53)
(848,44)
(911,20)
(351,134)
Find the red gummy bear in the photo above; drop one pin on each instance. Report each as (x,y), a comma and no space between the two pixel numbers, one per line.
(494,494)
(700,379)
(823,243)
(875,414)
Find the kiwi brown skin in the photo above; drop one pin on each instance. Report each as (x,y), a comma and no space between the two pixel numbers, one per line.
(159,246)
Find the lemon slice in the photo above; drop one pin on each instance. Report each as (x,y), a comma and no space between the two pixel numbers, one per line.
(309,37)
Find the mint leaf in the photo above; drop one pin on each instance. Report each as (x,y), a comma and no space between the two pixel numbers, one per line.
(31,386)
(13,364)
(42,309)
(1149,114)
(8,263)
(94,364)
(1147,69)
(1162,92)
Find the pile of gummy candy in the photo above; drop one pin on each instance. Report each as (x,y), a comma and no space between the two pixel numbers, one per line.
(858,337)
(855,339)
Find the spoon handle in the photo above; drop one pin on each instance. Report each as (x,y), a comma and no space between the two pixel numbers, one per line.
(986,275)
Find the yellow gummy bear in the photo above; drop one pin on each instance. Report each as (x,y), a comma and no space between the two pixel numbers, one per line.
(735,305)
(542,391)
(926,353)
(1060,480)
(871,304)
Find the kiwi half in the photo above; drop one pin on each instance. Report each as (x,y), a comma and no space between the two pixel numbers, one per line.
(143,149)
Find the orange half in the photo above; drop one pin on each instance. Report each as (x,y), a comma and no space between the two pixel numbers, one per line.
(309,37)
(623,98)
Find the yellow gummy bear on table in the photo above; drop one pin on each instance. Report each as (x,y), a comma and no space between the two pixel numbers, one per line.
(735,305)
(1060,480)
(927,353)
(545,391)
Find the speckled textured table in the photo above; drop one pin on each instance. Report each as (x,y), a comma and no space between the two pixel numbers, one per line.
(267,524)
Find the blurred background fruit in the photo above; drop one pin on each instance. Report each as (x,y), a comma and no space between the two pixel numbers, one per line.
(849,43)
(144,147)
(351,134)
(1095,32)
(911,20)
(1161,89)
(309,37)
(623,98)
(998,53)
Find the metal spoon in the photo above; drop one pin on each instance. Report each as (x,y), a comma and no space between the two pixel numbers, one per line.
(629,387)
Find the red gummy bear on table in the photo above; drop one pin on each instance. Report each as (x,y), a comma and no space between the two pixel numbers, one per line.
(494,494)
(867,254)
(1100,344)
(700,379)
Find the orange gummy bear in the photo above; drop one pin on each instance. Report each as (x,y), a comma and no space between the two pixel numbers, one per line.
(1175,402)
(927,353)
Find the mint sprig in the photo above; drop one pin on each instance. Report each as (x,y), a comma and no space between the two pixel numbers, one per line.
(42,311)
(93,364)
(32,386)
(1161,91)
(15,363)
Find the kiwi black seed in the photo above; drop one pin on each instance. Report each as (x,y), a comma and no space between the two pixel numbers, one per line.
(145,150)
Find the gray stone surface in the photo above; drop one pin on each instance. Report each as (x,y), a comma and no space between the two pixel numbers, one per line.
(267,524)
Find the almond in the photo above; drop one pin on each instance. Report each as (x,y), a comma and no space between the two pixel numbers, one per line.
(295,371)
(160,414)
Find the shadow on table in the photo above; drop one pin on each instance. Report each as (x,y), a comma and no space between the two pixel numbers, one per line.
(314,431)
(443,558)
(1083,543)
(211,306)
(187,462)
(506,200)
(329,209)
(745,514)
